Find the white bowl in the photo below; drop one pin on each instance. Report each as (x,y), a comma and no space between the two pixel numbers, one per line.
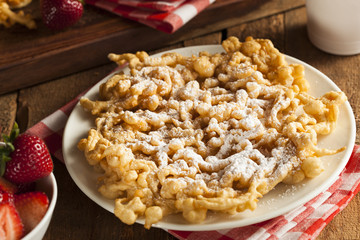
(49,187)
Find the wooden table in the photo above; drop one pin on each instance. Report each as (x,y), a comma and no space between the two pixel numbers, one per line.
(282,21)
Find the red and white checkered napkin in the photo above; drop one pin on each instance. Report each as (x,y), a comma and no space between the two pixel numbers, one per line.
(163,6)
(305,222)
(164,15)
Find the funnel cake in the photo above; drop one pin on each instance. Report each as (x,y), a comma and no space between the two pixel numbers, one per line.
(209,132)
(8,17)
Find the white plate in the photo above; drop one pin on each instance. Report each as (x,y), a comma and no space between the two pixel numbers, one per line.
(279,201)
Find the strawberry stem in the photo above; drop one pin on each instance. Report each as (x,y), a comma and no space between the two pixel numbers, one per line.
(4,158)
(7,147)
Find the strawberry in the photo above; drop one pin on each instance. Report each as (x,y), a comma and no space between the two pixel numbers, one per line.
(6,186)
(26,157)
(11,226)
(6,197)
(60,14)
(32,207)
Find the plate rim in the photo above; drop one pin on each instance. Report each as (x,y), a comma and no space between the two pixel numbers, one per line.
(253,220)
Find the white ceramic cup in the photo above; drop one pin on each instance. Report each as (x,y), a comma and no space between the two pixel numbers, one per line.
(334,25)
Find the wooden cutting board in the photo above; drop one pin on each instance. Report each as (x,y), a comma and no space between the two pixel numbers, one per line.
(28,57)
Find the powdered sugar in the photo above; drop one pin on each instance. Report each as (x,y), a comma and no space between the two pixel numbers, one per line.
(216,133)
(230,136)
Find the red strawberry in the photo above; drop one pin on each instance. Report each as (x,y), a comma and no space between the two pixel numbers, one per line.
(6,197)
(24,158)
(6,186)
(30,161)
(11,226)
(60,14)
(32,207)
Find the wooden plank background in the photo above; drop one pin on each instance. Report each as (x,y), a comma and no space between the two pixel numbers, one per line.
(87,44)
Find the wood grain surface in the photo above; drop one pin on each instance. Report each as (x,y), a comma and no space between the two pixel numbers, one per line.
(87,44)
(77,217)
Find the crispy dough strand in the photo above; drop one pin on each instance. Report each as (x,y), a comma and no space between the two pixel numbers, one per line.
(205,132)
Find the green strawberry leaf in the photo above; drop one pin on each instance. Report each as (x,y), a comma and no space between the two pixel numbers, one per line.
(4,158)
(14,132)
(2,167)
(6,138)
(7,147)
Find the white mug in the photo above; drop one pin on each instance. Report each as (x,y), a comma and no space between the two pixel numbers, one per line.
(334,25)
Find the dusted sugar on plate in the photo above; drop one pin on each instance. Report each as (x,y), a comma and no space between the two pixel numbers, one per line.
(209,132)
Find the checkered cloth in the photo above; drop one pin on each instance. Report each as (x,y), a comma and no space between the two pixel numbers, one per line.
(162,6)
(167,16)
(304,222)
